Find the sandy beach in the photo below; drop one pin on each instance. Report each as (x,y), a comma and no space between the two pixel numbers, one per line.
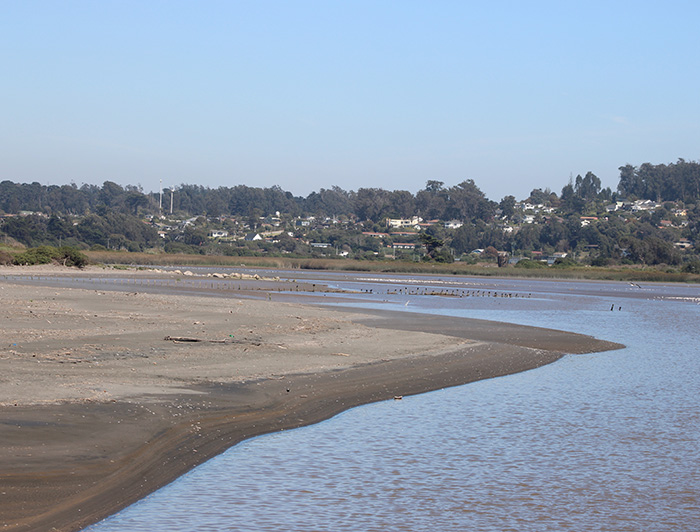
(107,395)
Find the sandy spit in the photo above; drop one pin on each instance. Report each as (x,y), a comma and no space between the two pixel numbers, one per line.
(107,396)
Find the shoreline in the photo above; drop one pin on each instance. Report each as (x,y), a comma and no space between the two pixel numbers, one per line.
(76,456)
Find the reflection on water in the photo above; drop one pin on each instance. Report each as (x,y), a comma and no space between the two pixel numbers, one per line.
(605,441)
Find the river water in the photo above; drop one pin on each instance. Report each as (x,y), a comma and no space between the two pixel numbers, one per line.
(600,442)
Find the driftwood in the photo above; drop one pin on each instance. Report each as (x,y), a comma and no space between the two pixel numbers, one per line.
(182,339)
(190,339)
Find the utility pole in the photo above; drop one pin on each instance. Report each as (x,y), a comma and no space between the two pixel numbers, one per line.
(160,200)
(172,193)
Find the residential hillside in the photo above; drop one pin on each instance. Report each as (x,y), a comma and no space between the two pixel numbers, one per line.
(652,218)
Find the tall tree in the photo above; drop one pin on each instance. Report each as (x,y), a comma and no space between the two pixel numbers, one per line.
(468,202)
(507,206)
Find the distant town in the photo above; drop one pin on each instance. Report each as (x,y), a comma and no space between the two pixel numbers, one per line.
(652,218)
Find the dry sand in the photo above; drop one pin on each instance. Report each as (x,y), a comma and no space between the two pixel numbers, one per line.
(100,406)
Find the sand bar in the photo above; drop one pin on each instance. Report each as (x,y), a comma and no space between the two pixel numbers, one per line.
(105,396)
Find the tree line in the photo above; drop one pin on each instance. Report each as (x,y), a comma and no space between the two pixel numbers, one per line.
(464,201)
(112,216)
(678,181)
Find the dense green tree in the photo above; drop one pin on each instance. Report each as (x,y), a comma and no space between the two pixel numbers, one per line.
(672,182)
(507,206)
(28,230)
(431,243)
(555,234)
(112,194)
(193,236)
(431,202)
(528,237)
(588,187)
(465,239)
(435,248)
(372,204)
(571,202)
(468,202)
(402,204)
(653,250)
(329,202)
(134,200)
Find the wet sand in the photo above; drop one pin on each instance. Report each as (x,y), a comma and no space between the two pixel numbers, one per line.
(100,409)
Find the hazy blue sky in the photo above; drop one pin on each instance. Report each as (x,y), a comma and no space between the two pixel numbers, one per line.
(310,94)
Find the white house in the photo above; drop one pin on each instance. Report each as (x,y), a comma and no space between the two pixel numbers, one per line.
(453,224)
(397,223)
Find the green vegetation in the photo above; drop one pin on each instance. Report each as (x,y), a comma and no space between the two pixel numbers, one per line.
(529,264)
(65,255)
(651,221)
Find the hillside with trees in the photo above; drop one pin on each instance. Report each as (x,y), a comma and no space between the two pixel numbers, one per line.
(652,218)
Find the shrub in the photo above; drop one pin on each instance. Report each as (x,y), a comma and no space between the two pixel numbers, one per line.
(566,262)
(601,261)
(65,255)
(530,264)
(70,256)
(33,256)
(179,247)
(692,266)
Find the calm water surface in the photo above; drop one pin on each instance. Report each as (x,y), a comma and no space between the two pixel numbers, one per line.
(600,442)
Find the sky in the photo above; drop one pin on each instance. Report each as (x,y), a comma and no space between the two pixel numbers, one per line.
(311,94)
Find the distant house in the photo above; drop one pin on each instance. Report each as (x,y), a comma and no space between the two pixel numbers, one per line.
(398,223)
(250,237)
(424,225)
(644,205)
(305,222)
(274,221)
(320,244)
(403,245)
(587,220)
(453,224)
(524,206)
(554,256)
(218,234)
